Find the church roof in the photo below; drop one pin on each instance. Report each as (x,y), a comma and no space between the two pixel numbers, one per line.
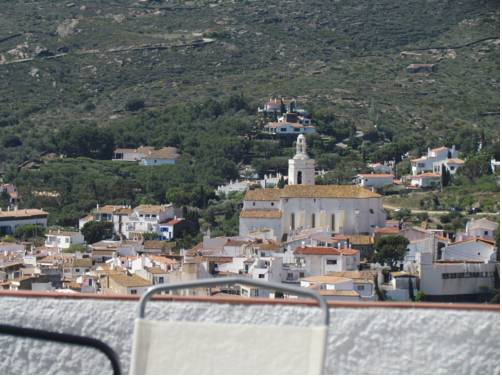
(311,191)
(262,214)
(263,194)
(327,191)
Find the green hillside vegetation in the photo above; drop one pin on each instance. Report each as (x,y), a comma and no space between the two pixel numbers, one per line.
(79,79)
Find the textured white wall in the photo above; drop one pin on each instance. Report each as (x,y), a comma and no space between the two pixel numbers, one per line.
(361,341)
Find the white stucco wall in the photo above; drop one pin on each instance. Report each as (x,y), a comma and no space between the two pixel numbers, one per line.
(361,341)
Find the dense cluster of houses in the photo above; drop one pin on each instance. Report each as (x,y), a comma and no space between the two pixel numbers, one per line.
(291,231)
(163,220)
(316,236)
(426,171)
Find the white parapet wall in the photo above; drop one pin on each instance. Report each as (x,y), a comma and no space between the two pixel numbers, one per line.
(362,339)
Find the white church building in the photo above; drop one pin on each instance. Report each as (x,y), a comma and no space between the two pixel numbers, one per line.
(346,209)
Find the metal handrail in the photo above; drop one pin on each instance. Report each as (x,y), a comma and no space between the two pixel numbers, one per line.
(234,280)
(64,338)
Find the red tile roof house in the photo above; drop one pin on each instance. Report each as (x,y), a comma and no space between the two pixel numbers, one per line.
(322,260)
(172,228)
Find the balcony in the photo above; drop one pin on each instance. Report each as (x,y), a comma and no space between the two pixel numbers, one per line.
(364,338)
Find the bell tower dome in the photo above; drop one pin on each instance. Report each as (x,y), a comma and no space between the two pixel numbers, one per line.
(301,168)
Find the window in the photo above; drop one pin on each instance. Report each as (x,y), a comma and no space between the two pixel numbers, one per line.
(262,253)
(161,280)
(331,261)
(272,204)
(371,211)
(77,269)
(290,276)
(134,291)
(283,129)
(292,221)
(360,287)
(299,178)
(261,276)
(333,223)
(302,275)
(486,232)
(313,220)
(254,203)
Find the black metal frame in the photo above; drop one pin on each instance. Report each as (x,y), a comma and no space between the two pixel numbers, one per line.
(64,338)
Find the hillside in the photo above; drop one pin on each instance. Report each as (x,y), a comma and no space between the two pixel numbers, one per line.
(202,67)
(81,61)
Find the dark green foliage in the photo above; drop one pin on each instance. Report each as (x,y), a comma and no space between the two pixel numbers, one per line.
(390,250)
(4,199)
(134,104)
(95,231)
(85,141)
(29,231)
(445,176)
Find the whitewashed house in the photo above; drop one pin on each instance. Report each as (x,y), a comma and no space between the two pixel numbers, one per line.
(385,168)
(483,228)
(426,180)
(63,239)
(455,280)
(149,219)
(374,180)
(323,260)
(332,287)
(148,156)
(451,165)
(10,220)
(436,155)
(474,249)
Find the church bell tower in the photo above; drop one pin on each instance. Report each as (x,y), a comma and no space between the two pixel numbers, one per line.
(301,167)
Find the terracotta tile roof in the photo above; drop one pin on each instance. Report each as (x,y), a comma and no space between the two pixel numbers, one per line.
(376,175)
(162,260)
(309,250)
(325,279)
(83,262)
(23,213)
(474,239)
(261,214)
(355,239)
(154,244)
(155,270)
(387,230)
(439,149)
(130,281)
(268,194)
(327,191)
(58,232)
(333,292)
(166,153)
(359,276)
(455,161)
(150,208)
(403,274)
(109,209)
(426,175)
